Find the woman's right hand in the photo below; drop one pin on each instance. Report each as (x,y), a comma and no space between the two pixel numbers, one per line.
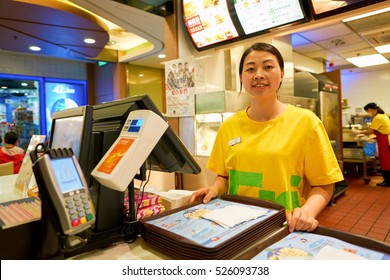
(204,194)
(220,186)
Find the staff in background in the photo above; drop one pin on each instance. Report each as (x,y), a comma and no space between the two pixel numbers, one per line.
(380,126)
(272,150)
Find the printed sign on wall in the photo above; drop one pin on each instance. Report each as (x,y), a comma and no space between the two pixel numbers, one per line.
(180,87)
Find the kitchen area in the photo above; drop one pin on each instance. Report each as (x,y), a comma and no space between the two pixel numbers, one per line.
(359,153)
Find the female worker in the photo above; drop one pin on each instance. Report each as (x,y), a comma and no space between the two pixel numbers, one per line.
(272,150)
(380,126)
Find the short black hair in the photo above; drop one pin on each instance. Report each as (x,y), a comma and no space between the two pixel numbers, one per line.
(11,138)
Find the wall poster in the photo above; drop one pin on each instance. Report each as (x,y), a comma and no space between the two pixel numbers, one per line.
(180,87)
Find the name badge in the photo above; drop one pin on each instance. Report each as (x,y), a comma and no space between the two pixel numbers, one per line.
(234,141)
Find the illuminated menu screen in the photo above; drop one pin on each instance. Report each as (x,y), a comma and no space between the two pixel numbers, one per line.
(208,22)
(326,6)
(261,15)
(322,8)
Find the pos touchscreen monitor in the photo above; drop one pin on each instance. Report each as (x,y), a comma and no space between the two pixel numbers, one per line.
(71,128)
(168,155)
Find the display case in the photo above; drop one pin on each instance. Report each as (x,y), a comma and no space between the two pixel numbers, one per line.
(211,110)
(206,127)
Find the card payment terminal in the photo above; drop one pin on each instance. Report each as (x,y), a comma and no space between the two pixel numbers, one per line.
(62,184)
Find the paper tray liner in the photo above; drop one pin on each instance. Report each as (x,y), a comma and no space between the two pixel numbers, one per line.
(183,248)
(354,239)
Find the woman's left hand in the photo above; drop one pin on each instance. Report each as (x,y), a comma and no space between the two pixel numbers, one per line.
(301,220)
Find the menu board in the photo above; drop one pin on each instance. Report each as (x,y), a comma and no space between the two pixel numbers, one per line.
(208,22)
(215,22)
(256,15)
(325,8)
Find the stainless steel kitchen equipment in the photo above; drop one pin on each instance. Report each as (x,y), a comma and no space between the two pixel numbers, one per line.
(326,92)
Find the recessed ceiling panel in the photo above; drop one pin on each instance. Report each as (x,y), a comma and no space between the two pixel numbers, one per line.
(325,33)
(57,32)
(359,52)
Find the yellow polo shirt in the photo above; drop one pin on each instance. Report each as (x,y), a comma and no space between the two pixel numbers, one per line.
(381,123)
(278,160)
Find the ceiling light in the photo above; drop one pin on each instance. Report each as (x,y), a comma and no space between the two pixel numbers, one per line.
(4,87)
(383,49)
(24,84)
(162,55)
(35,48)
(366,15)
(89,41)
(368,60)
(140,75)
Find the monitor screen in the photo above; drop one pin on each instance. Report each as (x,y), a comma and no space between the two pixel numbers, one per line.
(67,132)
(135,125)
(322,9)
(66,174)
(213,23)
(367,120)
(259,16)
(208,22)
(71,128)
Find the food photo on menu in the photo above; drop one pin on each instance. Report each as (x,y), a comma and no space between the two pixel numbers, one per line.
(208,21)
(322,6)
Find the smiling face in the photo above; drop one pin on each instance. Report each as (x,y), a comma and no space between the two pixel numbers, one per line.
(261,74)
